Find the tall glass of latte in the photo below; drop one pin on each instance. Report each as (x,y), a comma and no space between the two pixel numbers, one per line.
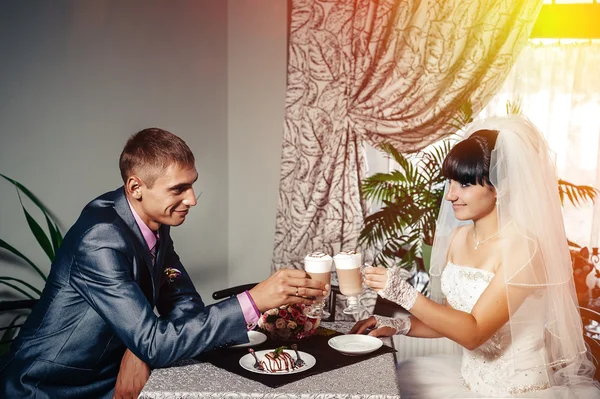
(347,266)
(318,266)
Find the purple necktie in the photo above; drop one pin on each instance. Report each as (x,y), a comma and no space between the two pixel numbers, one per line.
(154,250)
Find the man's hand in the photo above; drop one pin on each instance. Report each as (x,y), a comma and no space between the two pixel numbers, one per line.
(362,325)
(133,374)
(376,277)
(287,286)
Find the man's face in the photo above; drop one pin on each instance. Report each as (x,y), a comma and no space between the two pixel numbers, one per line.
(170,198)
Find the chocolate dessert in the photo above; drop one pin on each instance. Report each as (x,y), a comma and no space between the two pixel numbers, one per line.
(278,361)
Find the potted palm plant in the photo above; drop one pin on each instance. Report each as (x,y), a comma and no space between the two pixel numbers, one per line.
(402,230)
(22,295)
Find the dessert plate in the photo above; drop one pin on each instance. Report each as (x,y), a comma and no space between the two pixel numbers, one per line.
(255,337)
(247,362)
(355,344)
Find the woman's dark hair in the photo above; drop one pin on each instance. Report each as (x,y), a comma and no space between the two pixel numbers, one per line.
(468,162)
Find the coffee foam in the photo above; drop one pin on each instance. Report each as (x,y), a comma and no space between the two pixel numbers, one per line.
(347,260)
(318,262)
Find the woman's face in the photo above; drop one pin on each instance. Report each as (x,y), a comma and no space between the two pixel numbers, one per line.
(471,201)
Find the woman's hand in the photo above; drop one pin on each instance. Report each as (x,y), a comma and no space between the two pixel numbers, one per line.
(361,326)
(376,277)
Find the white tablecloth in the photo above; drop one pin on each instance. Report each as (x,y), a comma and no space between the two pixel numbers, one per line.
(373,378)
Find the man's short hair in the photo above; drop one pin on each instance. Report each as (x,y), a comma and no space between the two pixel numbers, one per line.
(150,151)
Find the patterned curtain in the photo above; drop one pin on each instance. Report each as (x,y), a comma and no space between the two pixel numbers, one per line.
(372,71)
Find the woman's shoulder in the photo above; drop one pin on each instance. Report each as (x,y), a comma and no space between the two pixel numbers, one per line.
(457,239)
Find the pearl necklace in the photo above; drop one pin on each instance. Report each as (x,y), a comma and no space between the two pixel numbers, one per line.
(477,243)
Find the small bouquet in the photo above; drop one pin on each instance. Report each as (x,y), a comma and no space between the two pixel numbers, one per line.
(288,322)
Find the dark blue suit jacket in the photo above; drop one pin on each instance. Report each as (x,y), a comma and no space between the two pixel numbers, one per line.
(99,301)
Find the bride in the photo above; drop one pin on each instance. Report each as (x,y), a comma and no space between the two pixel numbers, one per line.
(501,278)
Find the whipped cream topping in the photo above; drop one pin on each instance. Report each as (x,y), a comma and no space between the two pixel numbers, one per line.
(318,262)
(347,260)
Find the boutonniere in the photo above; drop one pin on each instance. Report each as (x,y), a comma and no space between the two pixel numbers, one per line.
(172,274)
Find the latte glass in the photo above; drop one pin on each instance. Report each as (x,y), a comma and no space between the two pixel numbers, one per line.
(347,266)
(318,266)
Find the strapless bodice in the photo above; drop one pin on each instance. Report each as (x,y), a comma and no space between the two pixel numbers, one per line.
(500,366)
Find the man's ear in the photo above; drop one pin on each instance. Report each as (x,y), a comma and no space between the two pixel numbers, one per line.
(133,187)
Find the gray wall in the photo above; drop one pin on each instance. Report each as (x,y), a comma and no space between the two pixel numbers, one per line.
(77,78)
(256,97)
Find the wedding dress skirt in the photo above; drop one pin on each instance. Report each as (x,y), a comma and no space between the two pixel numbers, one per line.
(500,368)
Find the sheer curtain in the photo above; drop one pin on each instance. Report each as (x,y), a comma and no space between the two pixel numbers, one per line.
(558,87)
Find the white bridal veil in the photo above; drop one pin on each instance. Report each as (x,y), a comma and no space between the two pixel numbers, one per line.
(535,255)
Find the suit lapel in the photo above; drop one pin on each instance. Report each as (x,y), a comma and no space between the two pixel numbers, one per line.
(123,210)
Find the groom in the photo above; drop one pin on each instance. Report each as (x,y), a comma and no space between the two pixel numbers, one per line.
(96,317)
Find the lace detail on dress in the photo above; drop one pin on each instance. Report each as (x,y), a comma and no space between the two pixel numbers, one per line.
(400,324)
(490,369)
(463,285)
(398,290)
(492,348)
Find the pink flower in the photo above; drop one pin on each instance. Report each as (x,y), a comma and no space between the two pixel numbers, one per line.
(296,314)
(308,325)
(280,324)
(287,321)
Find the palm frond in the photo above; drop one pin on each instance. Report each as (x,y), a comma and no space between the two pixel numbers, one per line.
(576,194)
(464,117)
(513,107)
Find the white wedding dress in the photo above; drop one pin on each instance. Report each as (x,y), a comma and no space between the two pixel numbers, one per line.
(500,368)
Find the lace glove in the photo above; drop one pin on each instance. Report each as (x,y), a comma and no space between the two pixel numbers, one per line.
(398,290)
(401,324)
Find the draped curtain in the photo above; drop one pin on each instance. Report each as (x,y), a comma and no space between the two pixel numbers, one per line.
(367,71)
(558,87)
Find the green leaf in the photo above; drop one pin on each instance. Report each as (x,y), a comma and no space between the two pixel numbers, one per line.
(17,288)
(9,334)
(577,194)
(39,235)
(5,245)
(55,235)
(38,232)
(31,287)
(464,117)
(29,195)
(278,351)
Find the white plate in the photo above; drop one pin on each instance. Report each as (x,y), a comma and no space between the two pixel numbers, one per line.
(247,362)
(255,337)
(355,344)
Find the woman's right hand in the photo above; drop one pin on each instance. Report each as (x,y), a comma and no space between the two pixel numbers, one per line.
(376,277)
(362,325)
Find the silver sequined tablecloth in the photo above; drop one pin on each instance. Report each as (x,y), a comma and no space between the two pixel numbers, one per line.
(374,378)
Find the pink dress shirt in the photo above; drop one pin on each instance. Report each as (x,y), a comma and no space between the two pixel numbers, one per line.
(249,309)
